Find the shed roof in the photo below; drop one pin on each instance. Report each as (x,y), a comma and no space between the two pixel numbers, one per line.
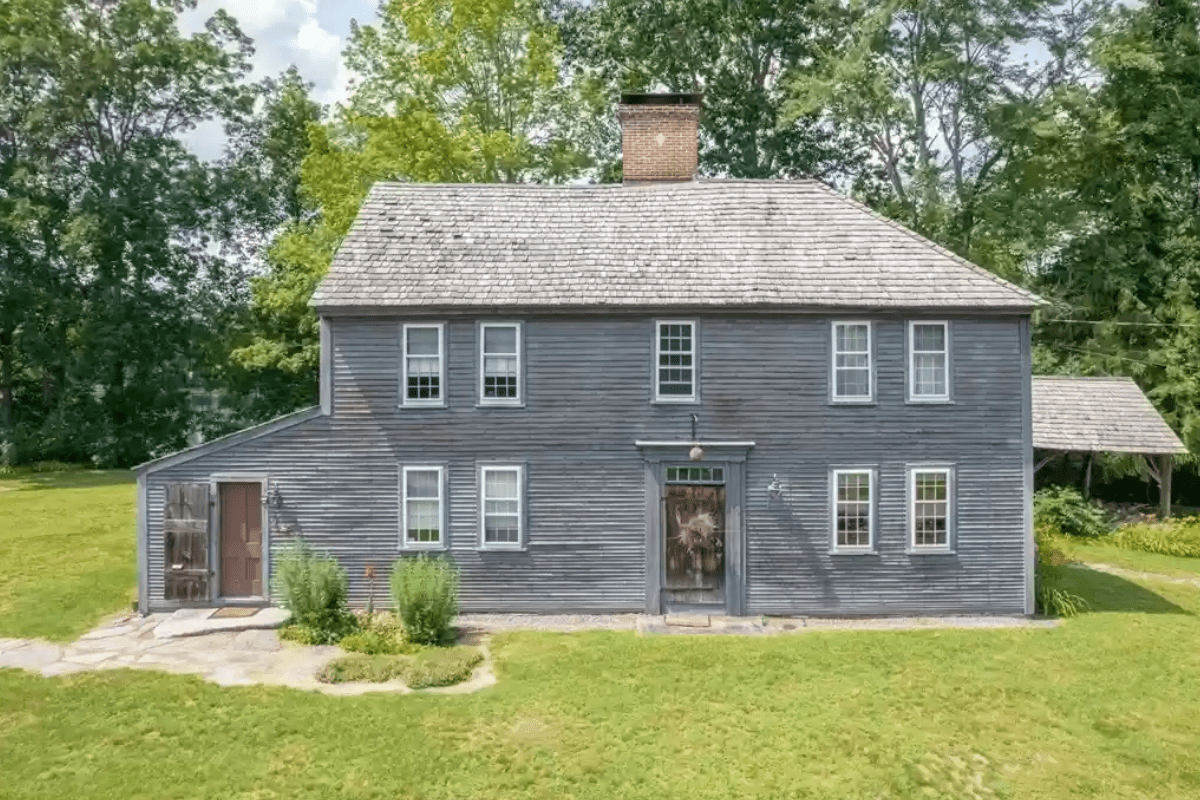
(1098,415)
(704,243)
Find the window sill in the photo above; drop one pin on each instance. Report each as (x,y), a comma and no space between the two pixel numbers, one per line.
(933,401)
(853,551)
(929,551)
(835,401)
(500,549)
(423,548)
(664,401)
(418,406)
(496,404)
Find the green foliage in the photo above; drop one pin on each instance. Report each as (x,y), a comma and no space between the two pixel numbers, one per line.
(313,588)
(1174,537)
(380,634)
(439,667)
(1051,596)
(1064,509)
(425,591)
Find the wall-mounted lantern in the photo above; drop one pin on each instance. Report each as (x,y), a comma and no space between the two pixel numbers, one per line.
(775,488)
(274,497)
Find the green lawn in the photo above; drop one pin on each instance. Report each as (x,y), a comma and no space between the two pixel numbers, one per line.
(1098,552)
(66,551)
(1106,706)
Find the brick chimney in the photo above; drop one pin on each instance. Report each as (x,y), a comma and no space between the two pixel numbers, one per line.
(659,136)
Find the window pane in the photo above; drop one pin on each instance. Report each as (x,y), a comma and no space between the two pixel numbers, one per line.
(852,338)
(853,383)
(931,508)
(501,528)
(424,521)
(421,483)
(422,341)
(500,485)
(929,338)
(853,509)
(500,340)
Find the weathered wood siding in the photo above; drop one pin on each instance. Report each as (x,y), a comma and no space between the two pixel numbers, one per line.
(764,378)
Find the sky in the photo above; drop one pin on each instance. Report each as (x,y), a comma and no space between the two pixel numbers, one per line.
(308,33)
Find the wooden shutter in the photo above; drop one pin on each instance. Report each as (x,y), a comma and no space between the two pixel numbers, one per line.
(185,529)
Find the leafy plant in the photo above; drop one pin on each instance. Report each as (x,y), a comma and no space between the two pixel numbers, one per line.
(1052,598)
(314,588)
(380,634)
(426,594)
(440,667)
(1180,537)
(1064,509)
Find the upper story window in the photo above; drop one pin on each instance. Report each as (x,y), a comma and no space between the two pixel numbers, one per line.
(931,513)
(423,379)
(422,507)
(853,510)
(675,362)
(928,366)
(501,494)
(851,361)
(500,363)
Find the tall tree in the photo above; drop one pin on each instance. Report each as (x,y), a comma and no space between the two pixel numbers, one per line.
(932,88)
(737,54)
(116,221)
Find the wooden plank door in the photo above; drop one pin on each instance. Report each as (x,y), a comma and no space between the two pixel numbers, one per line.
(185,546)
(695,544)
(241,540)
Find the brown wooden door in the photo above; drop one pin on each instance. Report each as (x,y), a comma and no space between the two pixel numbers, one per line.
(241,540)
(695,544)
(185,533)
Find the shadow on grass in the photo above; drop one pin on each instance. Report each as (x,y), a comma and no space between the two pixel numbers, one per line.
(72,479)
(1106,592)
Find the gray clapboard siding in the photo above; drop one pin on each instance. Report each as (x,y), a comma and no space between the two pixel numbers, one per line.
(764,379)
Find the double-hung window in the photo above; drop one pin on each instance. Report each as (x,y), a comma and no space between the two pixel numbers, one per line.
(931,512)
(853,505)
(851,377)
(422,518)
(928,361)
(500,363)
(501,523)
(675,362)
(423,378)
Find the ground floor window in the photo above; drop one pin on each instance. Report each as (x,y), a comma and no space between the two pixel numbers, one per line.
(422,506)
(929,490)
(500,506)
(853,503)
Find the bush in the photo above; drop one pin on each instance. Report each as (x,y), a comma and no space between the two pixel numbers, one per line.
(314,588)
(440,667)
(380,634)
(426,594)
(1065,510)
(1177,537)
(1052,598)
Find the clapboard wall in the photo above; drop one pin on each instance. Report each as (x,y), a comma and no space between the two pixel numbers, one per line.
(763,378)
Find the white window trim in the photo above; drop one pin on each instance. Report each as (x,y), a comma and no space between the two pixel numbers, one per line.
(441,543)
(834,547)
(519,400)
(405,400)
(913,547)
(913,397)
(484,469)
(677,398)
(834,397)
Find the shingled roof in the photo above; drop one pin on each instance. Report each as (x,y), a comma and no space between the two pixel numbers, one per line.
(1098,415)
(730,244)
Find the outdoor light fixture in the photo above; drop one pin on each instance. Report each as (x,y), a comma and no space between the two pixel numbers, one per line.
(696,453)
(775,488)
(274,498)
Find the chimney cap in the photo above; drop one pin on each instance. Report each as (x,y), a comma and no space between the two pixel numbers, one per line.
(661,98)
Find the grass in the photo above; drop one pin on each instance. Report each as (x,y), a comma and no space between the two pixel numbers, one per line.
(432,667)
(1100,552)
(66,557)
(1107,705)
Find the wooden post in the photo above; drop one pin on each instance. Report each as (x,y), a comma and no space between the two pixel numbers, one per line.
(1087,477)
(1164,484)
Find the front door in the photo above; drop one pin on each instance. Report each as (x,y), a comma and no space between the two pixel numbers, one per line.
(241,540)
(694,545)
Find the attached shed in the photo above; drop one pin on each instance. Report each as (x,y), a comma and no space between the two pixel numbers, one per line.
(1103,415)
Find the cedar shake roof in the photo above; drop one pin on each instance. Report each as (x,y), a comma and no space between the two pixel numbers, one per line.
(715,243)
(1098,415)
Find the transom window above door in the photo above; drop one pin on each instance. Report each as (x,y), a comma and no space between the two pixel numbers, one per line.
(500,363)
(423,366)
(675,361)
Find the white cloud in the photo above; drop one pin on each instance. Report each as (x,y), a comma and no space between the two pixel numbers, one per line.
(285,33)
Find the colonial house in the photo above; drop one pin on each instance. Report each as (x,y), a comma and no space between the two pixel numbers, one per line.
(747,397)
